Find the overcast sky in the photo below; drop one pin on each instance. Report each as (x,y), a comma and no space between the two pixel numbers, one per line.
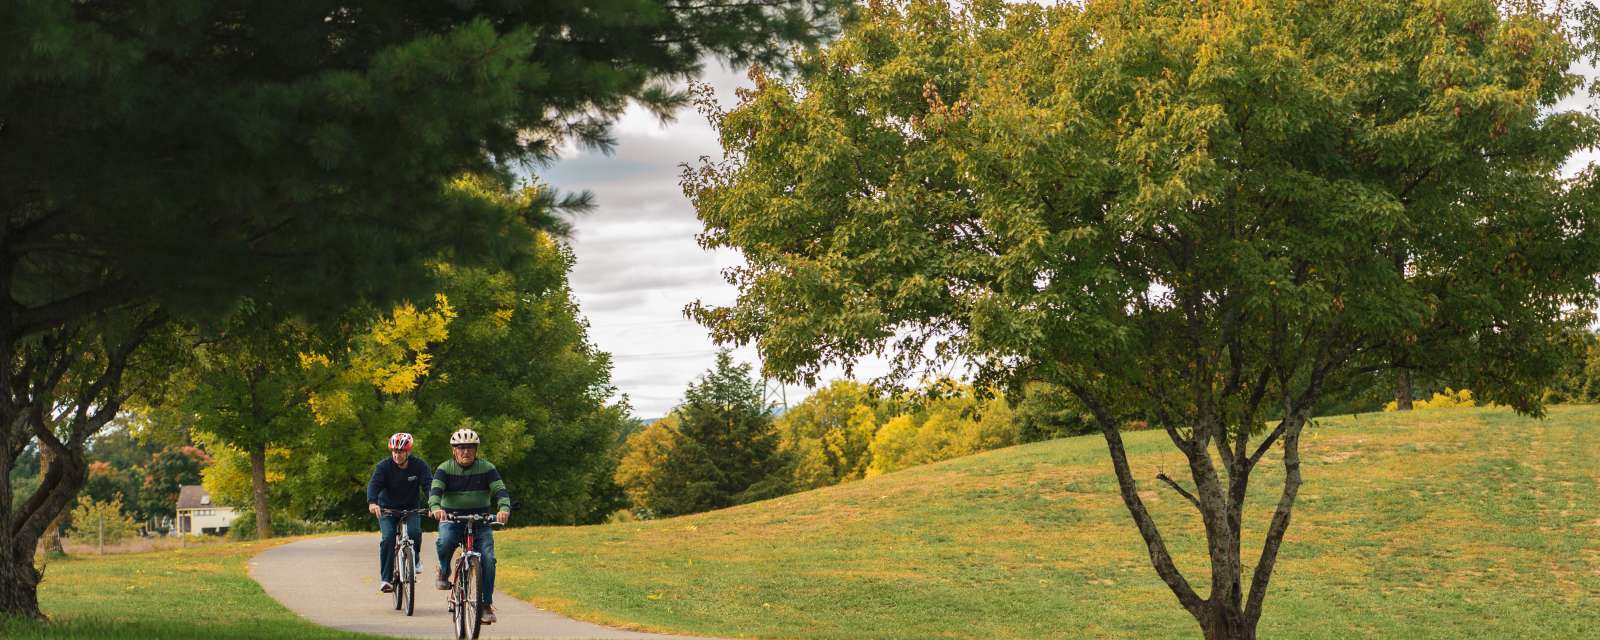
(638,263)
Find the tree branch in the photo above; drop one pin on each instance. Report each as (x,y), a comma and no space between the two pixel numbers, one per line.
(53,314)
(1280,522)
(1160,557)
(1179,488)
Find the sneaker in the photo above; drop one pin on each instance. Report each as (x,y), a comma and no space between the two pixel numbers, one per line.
(419,568)
(385,588)
(488,614)
(441,584)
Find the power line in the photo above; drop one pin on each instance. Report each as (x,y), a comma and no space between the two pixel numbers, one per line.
(662,356)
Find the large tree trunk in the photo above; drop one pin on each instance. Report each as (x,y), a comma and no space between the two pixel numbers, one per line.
(1226,623)
(1402,390)
(258,480)
(19,542)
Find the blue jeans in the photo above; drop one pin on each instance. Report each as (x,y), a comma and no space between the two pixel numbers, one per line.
(452,535)
(387,525)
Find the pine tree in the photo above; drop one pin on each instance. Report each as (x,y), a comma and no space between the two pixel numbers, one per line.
(726,447)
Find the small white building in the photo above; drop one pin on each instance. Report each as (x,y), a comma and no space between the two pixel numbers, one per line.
(196,514)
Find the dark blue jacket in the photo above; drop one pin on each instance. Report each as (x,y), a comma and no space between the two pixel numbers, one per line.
(394,488)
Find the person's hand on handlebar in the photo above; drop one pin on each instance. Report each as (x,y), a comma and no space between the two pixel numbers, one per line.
(502,517)
(437,514)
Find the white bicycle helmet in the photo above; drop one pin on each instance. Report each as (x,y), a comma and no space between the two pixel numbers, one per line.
(464,436)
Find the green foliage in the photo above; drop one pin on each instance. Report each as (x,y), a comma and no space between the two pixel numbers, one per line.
(549,429)
(261,127)
(1046,175)
(95,521)
(718,449)
(243,526)
(1579,380)
(107,484)
(170,468)
(22,488)
(1048,411)
(429,370)
(228,477)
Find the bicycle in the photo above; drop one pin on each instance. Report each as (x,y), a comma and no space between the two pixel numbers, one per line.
(404,570)
(466,593)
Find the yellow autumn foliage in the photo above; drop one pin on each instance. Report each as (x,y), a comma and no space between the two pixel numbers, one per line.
(393,356)
(1448,399)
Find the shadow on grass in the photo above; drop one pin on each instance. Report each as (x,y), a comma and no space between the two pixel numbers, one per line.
(90,628)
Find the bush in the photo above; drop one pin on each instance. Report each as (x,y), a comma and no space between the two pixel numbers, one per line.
(95,521)
(244,526)
(1441,400)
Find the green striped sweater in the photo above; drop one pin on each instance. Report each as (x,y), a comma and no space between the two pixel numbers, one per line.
(470,490)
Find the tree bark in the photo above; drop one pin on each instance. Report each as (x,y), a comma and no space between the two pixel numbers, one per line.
(258,480)
(51,540)
(1402,390)
(1226,623)
(19,541)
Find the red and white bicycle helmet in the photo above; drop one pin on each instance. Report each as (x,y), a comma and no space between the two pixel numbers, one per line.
(400,442)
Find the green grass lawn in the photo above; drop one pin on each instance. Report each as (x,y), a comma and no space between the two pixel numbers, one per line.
(204,593)
(1455,523)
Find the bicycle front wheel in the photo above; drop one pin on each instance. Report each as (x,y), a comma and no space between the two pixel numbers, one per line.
(473,597)
(408,579)
(458,604)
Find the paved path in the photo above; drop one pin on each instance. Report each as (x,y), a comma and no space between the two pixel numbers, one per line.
(330,581)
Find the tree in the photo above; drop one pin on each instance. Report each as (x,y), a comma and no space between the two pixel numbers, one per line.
(1048,411)
(299,156)
(107,482)
(1183,213)
(827,436)
(101,521)
(519,360)
(716,450)
(644,457)
(247,388)
(170,468)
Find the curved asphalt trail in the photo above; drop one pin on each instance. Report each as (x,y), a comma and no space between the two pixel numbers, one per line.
(330,582)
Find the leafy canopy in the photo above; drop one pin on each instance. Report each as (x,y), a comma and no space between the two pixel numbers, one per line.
(1158,203)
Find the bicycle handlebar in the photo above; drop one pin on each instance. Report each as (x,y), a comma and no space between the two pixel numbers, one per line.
(400,512)
(485,518)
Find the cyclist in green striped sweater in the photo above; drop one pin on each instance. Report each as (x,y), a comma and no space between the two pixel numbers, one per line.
(466,484)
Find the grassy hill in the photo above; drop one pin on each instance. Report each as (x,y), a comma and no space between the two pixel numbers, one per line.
(1455,523)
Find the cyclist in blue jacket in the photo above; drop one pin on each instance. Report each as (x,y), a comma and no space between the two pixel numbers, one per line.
(400,481)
